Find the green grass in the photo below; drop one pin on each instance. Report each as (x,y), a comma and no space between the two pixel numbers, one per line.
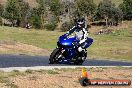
(29,71)
(52,72)
(117,2)
(3,79)
(115,46)
(11,85)
(41,71)
(40,38)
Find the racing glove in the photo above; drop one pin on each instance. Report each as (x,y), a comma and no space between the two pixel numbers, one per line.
(65,35)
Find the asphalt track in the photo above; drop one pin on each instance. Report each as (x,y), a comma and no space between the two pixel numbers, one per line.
(31,61)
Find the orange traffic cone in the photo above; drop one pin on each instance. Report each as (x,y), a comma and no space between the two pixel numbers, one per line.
(84,73)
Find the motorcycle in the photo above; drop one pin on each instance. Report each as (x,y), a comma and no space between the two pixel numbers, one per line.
(66,52)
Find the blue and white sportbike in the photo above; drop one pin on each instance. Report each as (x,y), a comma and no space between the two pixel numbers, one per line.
(66,51)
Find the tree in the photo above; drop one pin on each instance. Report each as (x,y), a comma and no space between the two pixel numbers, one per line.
(12,11)
(17,12)
(35,18)
(1,10)
(42,10)
(56,7)
(117,16)
(41,6)
(86,7)
(24,13)
(108,11)
(69,9)
(126,8)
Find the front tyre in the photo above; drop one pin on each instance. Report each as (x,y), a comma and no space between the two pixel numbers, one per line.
(53,56)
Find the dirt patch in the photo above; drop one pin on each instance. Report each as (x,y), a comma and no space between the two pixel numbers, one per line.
(69,78)
(2,85)
(12,47)
(123,25)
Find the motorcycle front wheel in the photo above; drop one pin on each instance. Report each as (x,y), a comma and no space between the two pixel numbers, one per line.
(54,56)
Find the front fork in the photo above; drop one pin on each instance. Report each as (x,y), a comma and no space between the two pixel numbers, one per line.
(61,53)
(61,57)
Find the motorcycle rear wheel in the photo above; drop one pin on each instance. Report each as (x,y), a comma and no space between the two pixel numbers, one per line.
(80,60)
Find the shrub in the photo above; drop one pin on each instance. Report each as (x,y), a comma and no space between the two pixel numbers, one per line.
(1,21)
(50,26)
(66,26)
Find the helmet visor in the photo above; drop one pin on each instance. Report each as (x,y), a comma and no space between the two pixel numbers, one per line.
(81,22)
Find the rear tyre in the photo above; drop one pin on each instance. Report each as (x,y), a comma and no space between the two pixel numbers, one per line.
(80,60)
(53,56)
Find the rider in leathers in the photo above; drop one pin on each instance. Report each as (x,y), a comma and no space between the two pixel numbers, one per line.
(80,33)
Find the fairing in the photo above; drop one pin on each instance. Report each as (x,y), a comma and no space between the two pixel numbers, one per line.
(66,41)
